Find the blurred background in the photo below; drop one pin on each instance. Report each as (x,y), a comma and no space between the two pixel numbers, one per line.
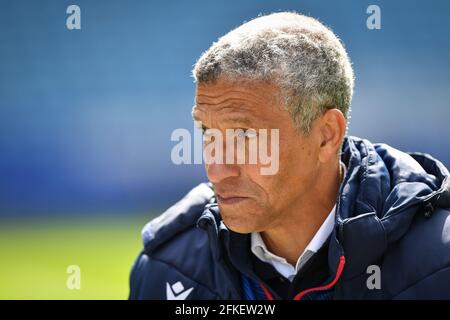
(86,117)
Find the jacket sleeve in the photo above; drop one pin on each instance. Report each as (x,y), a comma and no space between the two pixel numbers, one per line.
(153,279)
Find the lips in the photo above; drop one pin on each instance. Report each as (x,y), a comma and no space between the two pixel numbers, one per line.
(230,199)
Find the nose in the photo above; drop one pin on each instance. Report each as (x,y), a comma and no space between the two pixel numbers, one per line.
(218,172)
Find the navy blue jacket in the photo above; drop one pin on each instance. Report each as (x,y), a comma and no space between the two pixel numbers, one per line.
(392,211)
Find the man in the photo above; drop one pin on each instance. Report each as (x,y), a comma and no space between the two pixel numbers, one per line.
(342,218)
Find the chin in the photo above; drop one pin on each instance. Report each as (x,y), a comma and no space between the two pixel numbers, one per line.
(238,228)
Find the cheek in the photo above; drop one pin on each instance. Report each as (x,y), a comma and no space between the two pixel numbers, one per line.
(297,167)
(267,188)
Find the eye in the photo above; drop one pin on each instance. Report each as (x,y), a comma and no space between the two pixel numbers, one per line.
(251,133)
(206,132)
(240,133)
(204,129)
(246,133)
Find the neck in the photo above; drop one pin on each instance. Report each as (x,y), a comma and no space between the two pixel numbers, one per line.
(289,238)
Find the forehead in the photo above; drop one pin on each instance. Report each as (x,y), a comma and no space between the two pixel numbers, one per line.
(236,101)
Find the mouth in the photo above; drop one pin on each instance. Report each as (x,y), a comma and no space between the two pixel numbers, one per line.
(229,200)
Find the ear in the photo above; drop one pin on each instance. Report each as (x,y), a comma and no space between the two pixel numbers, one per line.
(332,131)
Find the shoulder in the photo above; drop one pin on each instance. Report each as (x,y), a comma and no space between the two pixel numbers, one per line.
(180,264)
(421,259)
(176,259)
(181,216)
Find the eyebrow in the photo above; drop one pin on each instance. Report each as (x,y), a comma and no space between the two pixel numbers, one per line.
(245,122)
(241,120)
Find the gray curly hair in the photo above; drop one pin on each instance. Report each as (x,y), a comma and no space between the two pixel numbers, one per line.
(298,53)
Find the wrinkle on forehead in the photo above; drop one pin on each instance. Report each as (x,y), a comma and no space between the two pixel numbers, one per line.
(249,102)
(227,89)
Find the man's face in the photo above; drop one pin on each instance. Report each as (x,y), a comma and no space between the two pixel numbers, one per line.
(248,200)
